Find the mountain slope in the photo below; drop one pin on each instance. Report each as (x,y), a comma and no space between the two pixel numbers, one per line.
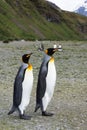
(82,8)
(39,19)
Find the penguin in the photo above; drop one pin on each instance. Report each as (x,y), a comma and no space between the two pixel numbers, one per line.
(46,82)
(22,88)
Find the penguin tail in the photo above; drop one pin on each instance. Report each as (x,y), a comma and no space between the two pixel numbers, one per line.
(13,109)
(37,107)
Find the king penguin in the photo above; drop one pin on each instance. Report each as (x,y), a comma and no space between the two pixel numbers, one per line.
(22,88)
(46,82)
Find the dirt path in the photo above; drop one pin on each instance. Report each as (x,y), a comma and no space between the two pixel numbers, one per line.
(69,103)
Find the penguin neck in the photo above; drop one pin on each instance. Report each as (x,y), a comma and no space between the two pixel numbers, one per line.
(46,58)
(52,59)
(30,66)
(25,65)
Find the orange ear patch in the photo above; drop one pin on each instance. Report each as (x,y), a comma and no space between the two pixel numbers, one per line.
(46,51)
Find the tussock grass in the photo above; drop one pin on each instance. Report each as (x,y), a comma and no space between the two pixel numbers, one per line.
(29,20)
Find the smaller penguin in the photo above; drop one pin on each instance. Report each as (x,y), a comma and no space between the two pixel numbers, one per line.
(22,88)
(46,82)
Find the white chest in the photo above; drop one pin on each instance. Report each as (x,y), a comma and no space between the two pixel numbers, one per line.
(28,80)
(51,78)
(27,87)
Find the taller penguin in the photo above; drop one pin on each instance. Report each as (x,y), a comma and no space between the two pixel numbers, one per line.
(22,87)
(46,82)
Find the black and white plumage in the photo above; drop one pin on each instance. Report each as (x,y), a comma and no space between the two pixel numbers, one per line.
(22,87)
(46,82)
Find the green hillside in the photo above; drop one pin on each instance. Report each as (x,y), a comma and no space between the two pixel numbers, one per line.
(39,19)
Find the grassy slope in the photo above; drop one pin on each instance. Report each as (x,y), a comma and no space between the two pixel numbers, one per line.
(28,20)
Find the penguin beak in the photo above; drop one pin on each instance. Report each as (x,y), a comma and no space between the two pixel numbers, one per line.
(55,49)
(29,54)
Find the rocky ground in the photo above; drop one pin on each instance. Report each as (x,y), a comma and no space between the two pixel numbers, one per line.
(69,103)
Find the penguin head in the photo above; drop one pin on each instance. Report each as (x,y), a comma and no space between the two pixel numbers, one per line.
(51,51)
(26,57)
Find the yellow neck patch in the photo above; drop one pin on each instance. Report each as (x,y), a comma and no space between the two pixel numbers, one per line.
(52,59)
(29,67)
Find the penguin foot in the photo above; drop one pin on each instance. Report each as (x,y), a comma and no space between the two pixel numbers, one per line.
(25,117)
(44,113)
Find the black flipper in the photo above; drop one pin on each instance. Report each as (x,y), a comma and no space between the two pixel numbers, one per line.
(17,92)
(13,109)
(41,86)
